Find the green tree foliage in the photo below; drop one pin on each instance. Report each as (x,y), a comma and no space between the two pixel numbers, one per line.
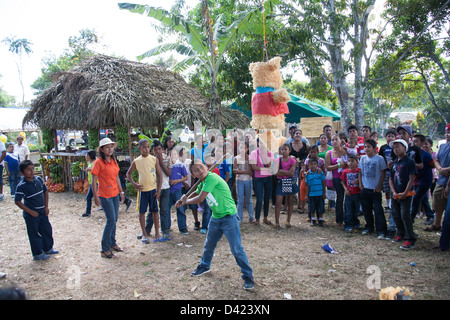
(79,50)
(18,47)
(415,53)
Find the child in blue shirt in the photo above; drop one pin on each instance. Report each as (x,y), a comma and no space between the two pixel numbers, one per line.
(34,193)
(11,162)
(177,176)
(315,192)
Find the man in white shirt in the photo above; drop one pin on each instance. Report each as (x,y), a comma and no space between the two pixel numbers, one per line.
(21,149)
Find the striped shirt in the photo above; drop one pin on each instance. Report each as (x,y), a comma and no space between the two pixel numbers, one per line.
(315,182)
(32,193)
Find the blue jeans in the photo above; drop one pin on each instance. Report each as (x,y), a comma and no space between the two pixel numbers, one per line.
(39,232)
(181,215)
(263,192)
(340,194)
(244,193)
(228,225)
(444,241)
(371,202)
(420,199)
(164,213)
(111,209)
(351,211)
(206,216)
(14,179)
(89,196)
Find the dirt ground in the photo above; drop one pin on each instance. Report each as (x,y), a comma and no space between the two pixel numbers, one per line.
(287,263)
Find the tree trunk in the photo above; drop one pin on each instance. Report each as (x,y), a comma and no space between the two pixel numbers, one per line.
(359,47)
(337,65)
(431,97)
(340,86)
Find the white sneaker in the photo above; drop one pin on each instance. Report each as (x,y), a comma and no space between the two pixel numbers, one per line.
(2,197)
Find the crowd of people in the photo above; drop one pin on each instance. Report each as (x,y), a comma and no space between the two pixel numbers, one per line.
(224,177)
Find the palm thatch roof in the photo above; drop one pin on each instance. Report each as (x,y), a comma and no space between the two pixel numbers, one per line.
(102,92)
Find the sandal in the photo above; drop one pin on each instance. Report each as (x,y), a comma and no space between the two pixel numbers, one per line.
(117,249)
(105,255)
(288,225)
(268,222)
(432,228)
(277,226)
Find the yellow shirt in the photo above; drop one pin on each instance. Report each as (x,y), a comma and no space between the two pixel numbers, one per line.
(147,172)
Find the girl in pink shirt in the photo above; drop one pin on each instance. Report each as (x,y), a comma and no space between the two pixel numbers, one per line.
(287,166)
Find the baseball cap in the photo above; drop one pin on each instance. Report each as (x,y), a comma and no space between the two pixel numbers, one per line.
(405,127)
(293,126)
(403,142)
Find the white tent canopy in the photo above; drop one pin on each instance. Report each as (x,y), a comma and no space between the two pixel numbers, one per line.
(11,119)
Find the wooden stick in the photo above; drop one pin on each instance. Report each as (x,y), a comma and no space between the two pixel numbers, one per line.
(194,187)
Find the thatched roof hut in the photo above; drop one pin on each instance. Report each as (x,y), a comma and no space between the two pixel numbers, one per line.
(103,92)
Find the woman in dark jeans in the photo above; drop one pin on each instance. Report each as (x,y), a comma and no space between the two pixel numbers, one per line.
(336,161)
(261,161)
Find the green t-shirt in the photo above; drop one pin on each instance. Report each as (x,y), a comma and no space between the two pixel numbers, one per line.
(90,165)
(219,196)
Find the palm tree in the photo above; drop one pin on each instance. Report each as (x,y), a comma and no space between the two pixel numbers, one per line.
(207,43)
(18,47)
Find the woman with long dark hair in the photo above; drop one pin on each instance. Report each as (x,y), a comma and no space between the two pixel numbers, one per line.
(336,162)
(108,193)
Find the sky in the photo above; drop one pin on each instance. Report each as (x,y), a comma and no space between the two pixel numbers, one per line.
(48,24)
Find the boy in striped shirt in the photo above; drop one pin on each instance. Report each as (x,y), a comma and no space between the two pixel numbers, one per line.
(34,193)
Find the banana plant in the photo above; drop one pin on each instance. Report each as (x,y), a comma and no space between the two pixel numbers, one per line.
(198,51)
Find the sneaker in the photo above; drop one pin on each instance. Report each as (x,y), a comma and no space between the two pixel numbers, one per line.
(397,239)
(390,235)
(145,240)
(313,223)
(51,251)
(128,204)
(139,236)
(248,283)
(320,223)
(2,197)
(366,231)
(199,271)
(429,221)
(86,215)
(348,230)
(197,225)
(203,231)
(381,236)
(407,245)
(41,256)
(184,231)
(167,236)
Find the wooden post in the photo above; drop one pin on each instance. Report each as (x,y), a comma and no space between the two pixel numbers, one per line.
(55,140)
(130,148)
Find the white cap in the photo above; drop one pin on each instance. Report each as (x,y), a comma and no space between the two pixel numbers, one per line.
(403,142)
